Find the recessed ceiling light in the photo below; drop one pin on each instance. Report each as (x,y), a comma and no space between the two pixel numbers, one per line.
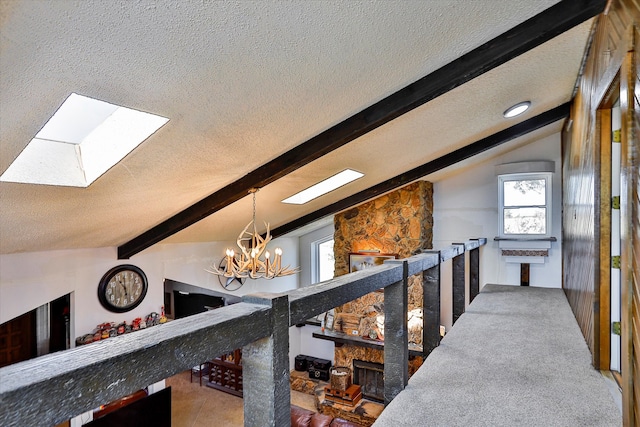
(517,109)
(80,142)
(323,187)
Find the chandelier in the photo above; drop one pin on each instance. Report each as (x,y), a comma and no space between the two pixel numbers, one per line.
(254,260)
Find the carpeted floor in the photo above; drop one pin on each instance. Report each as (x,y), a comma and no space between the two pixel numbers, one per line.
(193,405)
(515,358)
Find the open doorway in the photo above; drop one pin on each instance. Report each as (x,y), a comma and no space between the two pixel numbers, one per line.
(608,230)
(43,330)
(615,232)
(59,323)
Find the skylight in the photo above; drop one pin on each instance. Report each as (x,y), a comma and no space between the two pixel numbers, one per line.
(323,187)
(80,142)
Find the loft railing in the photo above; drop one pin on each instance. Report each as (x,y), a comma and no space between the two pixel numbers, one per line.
(53,388)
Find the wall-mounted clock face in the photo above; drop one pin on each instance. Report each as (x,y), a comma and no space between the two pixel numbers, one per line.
(122,288)
(229,283)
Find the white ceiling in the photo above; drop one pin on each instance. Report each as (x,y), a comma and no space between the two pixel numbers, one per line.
(241,83)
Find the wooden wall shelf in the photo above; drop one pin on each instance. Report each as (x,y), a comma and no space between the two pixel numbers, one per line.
(341,338)
(525,239)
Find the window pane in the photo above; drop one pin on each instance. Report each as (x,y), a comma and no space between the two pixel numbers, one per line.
(325,260)
(525,220)
(526,192)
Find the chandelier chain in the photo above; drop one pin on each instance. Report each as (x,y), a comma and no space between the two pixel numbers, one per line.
(254,207)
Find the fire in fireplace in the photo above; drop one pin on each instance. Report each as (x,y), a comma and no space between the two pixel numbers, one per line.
(370,377)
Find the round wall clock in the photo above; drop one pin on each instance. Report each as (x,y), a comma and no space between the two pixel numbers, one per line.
(122,288)
(229,283)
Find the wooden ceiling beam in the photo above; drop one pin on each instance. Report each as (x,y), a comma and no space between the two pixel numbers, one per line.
(543,27)
(516,131)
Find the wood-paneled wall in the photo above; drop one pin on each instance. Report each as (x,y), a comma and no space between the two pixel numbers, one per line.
(610,62)
(631,240)
(635,226)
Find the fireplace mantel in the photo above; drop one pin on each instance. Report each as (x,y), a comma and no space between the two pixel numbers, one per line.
(341,338)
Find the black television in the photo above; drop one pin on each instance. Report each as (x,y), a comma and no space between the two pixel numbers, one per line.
(152,410)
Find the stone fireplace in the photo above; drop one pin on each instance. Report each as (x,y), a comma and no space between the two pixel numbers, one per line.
(399,223)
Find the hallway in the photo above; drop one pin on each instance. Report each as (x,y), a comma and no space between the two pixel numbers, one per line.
(515,358)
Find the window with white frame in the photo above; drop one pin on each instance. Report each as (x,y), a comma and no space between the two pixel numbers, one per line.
(323,261)
(525,205)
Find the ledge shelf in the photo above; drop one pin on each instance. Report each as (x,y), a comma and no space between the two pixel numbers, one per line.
(341,338)
(525,239)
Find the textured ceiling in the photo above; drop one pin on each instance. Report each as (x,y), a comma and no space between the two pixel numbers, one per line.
(243,82)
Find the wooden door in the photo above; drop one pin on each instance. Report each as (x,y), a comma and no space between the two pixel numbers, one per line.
(18,339)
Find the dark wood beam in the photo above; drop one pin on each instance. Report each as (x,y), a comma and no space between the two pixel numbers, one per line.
(526,36)
(447,160)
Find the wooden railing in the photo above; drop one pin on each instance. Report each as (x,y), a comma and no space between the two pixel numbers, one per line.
(56,387)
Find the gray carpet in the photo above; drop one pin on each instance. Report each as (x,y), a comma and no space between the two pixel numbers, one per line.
(515,358)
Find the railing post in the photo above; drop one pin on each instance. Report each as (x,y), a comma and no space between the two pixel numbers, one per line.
(474,273)
(396,336)
(265,368)
(431,307)
(458,284)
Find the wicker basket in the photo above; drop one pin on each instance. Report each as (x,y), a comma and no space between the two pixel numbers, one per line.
(340,377)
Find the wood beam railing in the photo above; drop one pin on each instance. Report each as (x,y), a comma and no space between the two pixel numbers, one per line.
(53,388)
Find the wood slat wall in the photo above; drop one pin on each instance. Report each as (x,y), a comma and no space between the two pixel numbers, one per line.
(633,278)
(635,256)
(613,37)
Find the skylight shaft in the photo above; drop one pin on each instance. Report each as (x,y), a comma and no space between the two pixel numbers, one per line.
(80,142)
(324,187)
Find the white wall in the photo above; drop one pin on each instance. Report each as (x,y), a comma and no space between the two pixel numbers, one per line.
(29,280)
(466,206)
(301,340)
(304,251)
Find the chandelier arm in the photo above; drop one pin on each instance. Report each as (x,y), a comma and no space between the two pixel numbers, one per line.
(261,266)
(267,236)
(242,233)
(285,271)
(260,246)
(245,264)
(214,271)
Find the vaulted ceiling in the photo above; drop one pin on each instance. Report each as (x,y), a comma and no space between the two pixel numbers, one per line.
(277,95)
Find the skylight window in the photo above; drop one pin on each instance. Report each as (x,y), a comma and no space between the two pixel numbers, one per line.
(323,187)
(80,142)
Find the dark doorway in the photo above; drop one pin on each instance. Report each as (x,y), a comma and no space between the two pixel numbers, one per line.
(153,410)
(59,310)
(187,304)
